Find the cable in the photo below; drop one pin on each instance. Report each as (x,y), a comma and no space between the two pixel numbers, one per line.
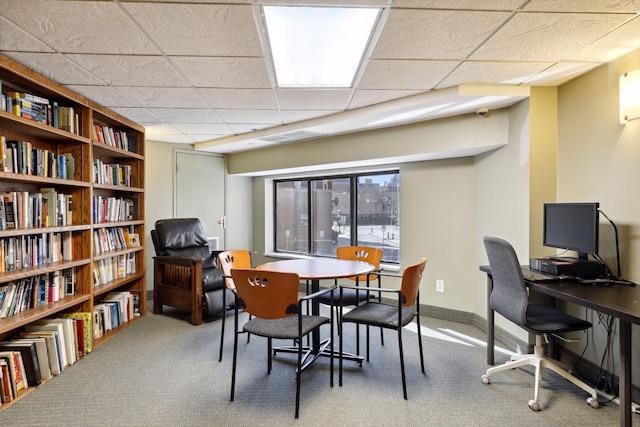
(615,229)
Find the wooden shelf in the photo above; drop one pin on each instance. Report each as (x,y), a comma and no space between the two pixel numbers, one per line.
(81,190)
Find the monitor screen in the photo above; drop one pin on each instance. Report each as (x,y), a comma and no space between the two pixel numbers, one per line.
(573,226)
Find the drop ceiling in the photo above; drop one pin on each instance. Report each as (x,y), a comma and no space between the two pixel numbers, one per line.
(199,72)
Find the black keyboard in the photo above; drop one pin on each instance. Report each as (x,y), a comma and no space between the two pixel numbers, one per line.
(537,276)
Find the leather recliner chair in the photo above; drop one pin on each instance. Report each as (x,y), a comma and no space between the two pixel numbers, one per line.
(185,272)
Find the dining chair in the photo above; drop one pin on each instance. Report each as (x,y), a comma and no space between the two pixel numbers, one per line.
(227,261)
(510,298)
(354,296)
(272,299)
(390,316)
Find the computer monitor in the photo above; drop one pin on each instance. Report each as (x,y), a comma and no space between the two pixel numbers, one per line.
(572,226)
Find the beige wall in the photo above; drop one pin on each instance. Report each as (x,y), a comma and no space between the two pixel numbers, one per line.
(598,160)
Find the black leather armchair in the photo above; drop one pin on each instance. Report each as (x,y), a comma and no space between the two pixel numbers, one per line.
(185,272)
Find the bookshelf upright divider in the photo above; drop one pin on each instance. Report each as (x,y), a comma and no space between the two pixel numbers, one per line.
(72,227)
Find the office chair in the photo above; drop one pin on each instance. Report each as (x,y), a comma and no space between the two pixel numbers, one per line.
(355,296)
(510,298)
(227,261)
(396,316)
(272,299)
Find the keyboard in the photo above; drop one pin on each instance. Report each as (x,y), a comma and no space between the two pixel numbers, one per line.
(537,276)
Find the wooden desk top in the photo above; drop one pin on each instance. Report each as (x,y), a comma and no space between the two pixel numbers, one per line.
(319,268)
(622,301)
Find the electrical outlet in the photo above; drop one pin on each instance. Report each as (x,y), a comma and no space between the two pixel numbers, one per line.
(439,285)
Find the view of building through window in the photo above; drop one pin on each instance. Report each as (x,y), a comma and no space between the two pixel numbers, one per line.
(315,216)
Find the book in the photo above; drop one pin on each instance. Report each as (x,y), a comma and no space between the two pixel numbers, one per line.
(87,326)
(58,331)
(51,341)
(41,351)
(29,359)
(6,389)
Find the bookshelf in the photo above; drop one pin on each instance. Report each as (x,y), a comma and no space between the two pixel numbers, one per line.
(71,172)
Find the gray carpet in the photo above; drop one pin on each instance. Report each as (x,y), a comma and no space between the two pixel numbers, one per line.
(162,371)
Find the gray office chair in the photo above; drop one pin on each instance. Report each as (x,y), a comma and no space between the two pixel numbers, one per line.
(510,298)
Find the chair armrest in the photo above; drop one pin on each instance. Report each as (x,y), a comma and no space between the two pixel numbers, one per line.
(369,288)
(317,294)
(180,260)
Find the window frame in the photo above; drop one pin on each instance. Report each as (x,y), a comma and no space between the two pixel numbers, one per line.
(353,209)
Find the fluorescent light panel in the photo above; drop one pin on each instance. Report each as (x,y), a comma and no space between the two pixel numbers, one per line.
(318,46)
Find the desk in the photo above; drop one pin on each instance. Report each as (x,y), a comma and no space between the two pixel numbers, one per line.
(620,301)
(316,269)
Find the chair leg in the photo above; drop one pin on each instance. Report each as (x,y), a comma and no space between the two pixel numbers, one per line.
(404,379)
(298,377)
(224,305)
(269,356)
(419,343)
(235,357)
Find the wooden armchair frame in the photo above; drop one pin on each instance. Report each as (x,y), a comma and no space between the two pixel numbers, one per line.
(177,282)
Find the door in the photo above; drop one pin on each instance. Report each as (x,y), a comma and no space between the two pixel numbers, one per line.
(199,192)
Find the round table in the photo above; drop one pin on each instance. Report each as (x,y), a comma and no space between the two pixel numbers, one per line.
(316,269)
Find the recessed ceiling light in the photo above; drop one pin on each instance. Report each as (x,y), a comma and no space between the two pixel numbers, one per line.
(318,46)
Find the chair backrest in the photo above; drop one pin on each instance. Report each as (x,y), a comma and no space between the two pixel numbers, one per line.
(228,260)
(410,286)
(361,253)
(509,296)
(266,294)
(182,237)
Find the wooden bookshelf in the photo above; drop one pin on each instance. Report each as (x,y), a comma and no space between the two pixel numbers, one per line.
(82,189)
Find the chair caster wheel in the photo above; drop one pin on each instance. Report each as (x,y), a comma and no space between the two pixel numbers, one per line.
(593,403)
(534,405)
(485,379)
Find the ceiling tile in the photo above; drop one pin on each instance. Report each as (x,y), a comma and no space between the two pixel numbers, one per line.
(583,6)
(317,99)
(79,26)
(138,115)
(404,74)
(546,36)
(560,73)
(364,97)
(199,29)
(227,72)
(250,116)
(484,72)
(187,115)
(203,128)
(435,34)
(239,128)
(165,97)
(120,70)
(290,116)
(252,99)
(613,45)
(105,95)
(462,4)
(57,67)
(13,38)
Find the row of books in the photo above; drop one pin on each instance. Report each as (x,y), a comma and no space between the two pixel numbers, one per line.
(35,250)
(41,110)
(111,173)
(112,239)
(116,267)
(112,209)
(47,208)
(116,309)
(21,157)
(31,292)
(114,138)
(45,349)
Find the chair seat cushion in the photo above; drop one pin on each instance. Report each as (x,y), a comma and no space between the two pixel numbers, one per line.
(543,319)
(349,297)
(285,328)
(378,314)
(212,279)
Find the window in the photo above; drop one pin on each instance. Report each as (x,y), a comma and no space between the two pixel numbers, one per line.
(316,215)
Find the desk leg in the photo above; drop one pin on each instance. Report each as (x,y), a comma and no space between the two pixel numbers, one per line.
(490,322)
(625,373)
